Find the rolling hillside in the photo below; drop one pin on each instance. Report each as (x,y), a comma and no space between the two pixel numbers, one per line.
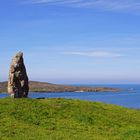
(63,119)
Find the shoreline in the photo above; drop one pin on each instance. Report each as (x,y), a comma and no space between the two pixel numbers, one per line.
(57,88)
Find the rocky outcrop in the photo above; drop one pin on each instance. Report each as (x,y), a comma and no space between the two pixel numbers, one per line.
(18,85)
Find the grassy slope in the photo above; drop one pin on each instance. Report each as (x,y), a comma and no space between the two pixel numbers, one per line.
(62,119)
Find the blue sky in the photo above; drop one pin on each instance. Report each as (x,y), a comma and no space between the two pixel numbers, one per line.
(72,41)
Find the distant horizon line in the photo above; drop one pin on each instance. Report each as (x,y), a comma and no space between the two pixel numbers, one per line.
(66,83)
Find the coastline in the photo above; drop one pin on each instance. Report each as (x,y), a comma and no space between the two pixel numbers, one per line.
(49,87)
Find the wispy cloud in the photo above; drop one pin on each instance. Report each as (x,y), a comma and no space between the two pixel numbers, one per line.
(128,5)
(95,54)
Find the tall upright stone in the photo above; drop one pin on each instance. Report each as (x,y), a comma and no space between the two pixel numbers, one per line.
(18,84)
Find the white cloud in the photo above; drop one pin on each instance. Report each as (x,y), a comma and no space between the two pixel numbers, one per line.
(95,54)
(125,5)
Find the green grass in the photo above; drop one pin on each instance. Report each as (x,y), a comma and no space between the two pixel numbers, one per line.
(62,119)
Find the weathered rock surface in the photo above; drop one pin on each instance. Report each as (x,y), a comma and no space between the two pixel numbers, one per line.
(18,85)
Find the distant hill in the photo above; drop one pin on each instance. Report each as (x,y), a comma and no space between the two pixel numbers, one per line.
(3,86)
(48,87)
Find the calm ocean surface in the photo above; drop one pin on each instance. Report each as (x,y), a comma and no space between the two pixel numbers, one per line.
(128,97)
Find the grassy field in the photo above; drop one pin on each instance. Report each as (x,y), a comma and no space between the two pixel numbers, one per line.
(63,119)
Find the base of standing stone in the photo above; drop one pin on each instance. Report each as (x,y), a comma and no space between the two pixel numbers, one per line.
(12,95)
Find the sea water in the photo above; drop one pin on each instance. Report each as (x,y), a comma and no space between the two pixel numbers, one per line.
(128,96)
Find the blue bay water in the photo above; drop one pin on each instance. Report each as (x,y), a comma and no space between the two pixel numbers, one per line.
(129,96)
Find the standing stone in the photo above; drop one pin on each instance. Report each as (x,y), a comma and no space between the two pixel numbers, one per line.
(18,84)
